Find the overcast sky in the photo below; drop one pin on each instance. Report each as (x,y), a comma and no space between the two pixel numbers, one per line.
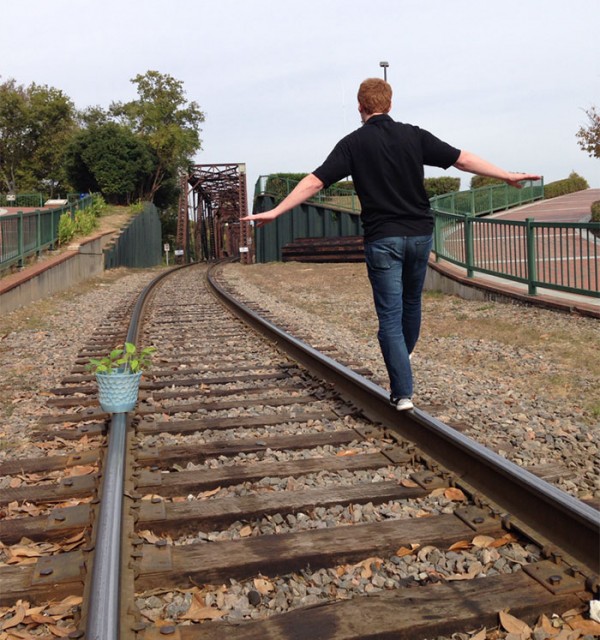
(277,80)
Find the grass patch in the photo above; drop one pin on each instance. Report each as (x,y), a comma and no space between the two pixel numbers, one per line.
(37,315)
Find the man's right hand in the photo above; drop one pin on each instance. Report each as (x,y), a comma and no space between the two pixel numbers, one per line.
(261,218)
(515,179)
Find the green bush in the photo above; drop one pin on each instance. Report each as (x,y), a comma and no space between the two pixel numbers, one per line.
(344,184)
(441,186)
(82,223)
(596,211)
(85,222)
(484,181)
(66,228)
(136,207)
(98,206)
(569,185)
(280,184)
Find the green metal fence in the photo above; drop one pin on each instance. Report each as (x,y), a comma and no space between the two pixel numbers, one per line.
(26,234)
(488,199)
(333,197)
(21,200)
(563,256)
(475,202)
(554,255)
(309,220)
(139,244)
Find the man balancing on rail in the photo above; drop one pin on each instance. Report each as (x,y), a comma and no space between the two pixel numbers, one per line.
(385,159)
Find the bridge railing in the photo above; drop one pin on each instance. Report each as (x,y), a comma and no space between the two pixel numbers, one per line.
(26,234)
(489,199)
(336,198)
(481,201)
(563,256)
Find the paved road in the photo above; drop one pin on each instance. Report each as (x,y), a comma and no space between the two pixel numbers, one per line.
(563,256)
(574,207)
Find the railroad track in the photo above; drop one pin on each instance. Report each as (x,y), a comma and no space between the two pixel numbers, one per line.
(271,493)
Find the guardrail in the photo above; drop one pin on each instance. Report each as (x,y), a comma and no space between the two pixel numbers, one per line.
(488,199)
(26,234)
(474,202)
(563,256)
(334,197)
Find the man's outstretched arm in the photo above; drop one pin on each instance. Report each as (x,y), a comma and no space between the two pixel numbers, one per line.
(468,161)
(305,189)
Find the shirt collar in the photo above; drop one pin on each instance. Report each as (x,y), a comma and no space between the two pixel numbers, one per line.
(378,118)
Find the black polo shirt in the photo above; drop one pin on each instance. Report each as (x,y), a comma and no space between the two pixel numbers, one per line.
(385,159)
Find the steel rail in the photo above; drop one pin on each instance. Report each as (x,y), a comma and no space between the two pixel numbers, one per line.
(103,614)
(526,502)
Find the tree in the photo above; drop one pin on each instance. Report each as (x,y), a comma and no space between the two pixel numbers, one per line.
(35,123)
(111,159)
(162,117)
(52,125)
(589,137)
(14,128)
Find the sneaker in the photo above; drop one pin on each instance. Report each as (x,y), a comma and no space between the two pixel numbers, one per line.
(401,404)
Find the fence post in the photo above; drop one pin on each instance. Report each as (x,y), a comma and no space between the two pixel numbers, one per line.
(469,245)
(531,264)
(436,236)
(20,240)
(38,222)
(55,225)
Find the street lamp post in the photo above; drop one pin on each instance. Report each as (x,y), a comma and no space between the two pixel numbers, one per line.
(385,65)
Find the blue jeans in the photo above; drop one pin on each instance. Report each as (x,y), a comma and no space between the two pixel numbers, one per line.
(397,269)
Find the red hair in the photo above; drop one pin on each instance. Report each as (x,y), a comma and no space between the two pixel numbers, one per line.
(375,96)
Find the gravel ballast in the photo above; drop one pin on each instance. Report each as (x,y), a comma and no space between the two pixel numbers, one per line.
(521,380)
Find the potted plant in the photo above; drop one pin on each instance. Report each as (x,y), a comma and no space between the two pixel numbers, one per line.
(118,376)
